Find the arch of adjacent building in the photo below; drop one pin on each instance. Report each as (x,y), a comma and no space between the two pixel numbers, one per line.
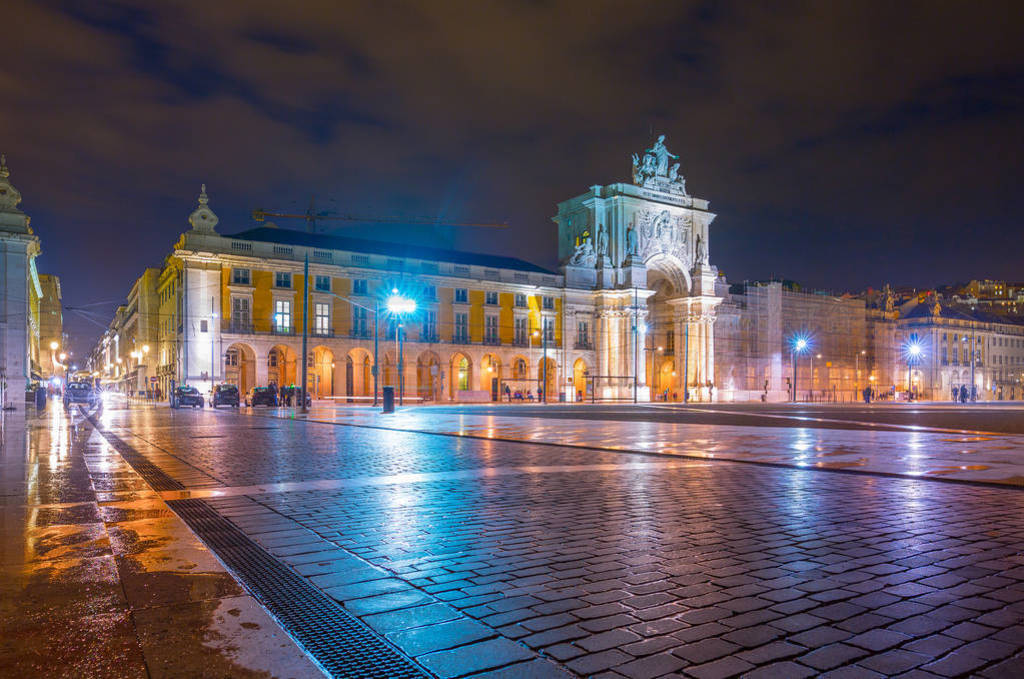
(551,385)
(358,373)
(428,376)
(240,366)
(322,372)
(460,374)
(490,370)
(282,364)
(581,386)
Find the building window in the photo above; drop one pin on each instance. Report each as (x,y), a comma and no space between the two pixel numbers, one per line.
(430,292)
(670,340)
(429,332)
(490,297)
(322,283)
(272,359)
(491,329)
(241,277)
(582,334)
(549,302)
(241,314)
(519,369)
(549,329)
(461,295)
(282,316)
(231,358)
(520,299)
(521,330)
(461,328)
(359,322)
(282,279)
(359,286)
(322,318)
(204,326)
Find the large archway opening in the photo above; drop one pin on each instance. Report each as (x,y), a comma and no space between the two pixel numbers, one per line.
(581,386)
(460,375)
(240,366)
(281,366)
(428,376)
(321,373)
(358,374)
(490,375)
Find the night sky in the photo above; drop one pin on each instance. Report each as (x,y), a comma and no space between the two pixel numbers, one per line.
(840,147)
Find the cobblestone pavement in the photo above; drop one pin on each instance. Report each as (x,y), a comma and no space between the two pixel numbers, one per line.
(98,578)
(516,559)
(825,441)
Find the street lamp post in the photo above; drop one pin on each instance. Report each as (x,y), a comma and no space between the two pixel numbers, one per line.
(914,354)
(799,346)
(400,306)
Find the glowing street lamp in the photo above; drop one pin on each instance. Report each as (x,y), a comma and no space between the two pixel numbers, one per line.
(400,306)
(54,345)
(914,352)
(800,345)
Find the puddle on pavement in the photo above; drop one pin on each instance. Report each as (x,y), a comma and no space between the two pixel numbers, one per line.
(945,471)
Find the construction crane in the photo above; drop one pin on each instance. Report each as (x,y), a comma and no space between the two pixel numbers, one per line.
(311,217)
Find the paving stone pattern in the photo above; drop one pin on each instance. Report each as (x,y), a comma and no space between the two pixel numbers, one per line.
(713,570)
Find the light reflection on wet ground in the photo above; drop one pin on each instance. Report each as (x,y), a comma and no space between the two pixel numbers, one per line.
(992,459)
(99,579)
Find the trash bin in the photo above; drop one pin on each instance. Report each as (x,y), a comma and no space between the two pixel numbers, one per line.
(389,399)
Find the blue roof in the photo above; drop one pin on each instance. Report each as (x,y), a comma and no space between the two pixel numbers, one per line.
(280,236)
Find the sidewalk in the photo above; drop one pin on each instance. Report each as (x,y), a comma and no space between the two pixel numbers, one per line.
(99,578)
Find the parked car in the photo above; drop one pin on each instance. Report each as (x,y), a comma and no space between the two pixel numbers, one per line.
(225,395)
(188,396)
(262,396)
(80,393)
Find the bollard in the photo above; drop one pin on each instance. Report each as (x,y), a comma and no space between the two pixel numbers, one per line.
(389,399)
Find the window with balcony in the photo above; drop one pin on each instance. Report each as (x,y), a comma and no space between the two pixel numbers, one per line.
(583,334)
(282,279)
(491,329)
(428,332)
(241,314)
(490,297)
(322,283)
(520,300)
(461,328)
(461,295)
(521,331)
(282,316)
(549,329)
(241,277)
(430,292)
(548,302)
(359,286)
(359,322)
(322,318)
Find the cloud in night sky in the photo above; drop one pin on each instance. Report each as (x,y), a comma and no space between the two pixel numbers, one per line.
(840,146)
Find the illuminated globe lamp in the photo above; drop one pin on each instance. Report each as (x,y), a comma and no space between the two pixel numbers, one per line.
(399,306)
(800,345)
(915,352)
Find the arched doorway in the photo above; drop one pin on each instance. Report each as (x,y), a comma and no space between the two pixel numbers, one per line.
(321,377)
(666,381)
(551,386)
(581,385)
(358,373)
(428,376)
(240,366)
(281,366)
(460,375)
(490,375)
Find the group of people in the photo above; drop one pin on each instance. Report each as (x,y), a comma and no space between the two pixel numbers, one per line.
(962,394)
(287,395)
(518,394)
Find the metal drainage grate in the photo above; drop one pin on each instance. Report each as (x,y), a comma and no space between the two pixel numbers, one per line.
(154,476)
(339,642)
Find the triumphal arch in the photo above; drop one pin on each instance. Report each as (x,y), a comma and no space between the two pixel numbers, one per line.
(636,259)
